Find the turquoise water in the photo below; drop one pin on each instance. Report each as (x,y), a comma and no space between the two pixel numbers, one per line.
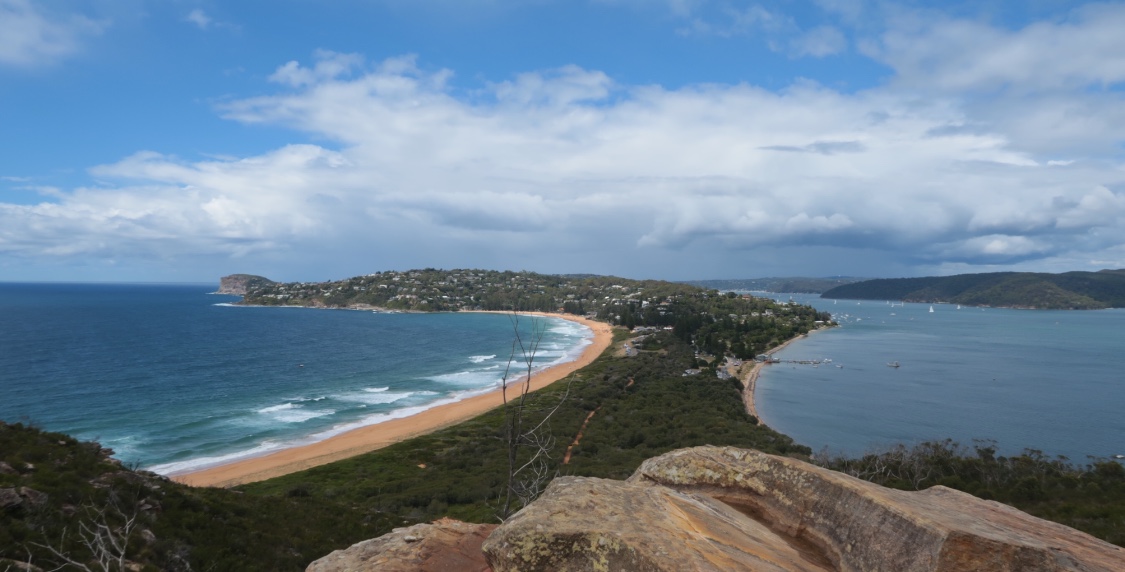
(1046,380)
(174,379)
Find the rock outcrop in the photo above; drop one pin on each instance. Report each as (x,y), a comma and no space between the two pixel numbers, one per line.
(443,546)
(721,508)
(240,284)
(712,508)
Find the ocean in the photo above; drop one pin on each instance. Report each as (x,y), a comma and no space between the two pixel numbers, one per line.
(173,378)
(1028,379)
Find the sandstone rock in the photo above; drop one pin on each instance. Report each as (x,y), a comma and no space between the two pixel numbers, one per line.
(858,525)
(240,284)
(445,545)
(712,508)
(9,498)
(599,524)
(32,496)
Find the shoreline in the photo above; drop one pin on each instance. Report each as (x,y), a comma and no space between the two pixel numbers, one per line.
(372,437)
(750,378)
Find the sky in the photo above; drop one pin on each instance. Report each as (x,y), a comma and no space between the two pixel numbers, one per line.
(183,140)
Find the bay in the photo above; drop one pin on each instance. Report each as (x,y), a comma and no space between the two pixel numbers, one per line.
(1027,379)
(173,378)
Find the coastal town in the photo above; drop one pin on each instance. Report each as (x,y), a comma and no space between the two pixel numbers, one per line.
(717,323)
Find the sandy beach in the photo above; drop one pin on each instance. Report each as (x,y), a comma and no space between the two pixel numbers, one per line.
(372,437)
(749,377)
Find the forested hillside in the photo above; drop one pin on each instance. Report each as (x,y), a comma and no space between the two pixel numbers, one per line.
(716,323)
(797,284)
(1067,291)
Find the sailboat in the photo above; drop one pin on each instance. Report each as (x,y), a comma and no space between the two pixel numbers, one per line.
(931,309)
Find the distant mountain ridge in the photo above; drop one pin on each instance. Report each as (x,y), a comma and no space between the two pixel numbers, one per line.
(1067,291)
(795,284)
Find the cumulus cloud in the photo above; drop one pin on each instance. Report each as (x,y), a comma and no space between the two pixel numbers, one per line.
(565,162)
(936,52)
(31,36)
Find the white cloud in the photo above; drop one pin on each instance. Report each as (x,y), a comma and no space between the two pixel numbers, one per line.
(30,36)
(199,18)
(936,52)
(819,42)
(565,162)
(329,65)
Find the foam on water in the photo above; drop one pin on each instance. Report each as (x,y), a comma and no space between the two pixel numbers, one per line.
(174,378)
(276,408)
(374,398)
(270,446)
(293,413)
(198,463)
(472,378)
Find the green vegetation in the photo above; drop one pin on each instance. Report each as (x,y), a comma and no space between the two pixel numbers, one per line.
(1068,291)
(52,485)
(800,285)
(628,408)
(460,471)
(718,324)
(643,406)
(1089,498)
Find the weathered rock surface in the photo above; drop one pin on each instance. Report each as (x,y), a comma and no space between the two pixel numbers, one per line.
(712,508)
(239,284)
(9,498)
(442,546)
(599,524)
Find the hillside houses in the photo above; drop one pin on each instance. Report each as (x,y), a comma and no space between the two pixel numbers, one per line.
(717,323)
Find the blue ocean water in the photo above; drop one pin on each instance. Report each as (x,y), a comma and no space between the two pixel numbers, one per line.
(175,379)
(1046,380)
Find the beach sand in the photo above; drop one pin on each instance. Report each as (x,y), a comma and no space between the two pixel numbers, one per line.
(749,373)
(372,437)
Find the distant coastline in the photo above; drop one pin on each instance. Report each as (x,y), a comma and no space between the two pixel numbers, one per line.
(1014,290)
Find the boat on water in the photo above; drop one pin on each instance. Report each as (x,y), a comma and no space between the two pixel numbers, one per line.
(931,309)
(893,364)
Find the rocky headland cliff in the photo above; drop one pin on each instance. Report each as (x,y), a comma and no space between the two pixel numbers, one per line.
(721,508)
(240,284)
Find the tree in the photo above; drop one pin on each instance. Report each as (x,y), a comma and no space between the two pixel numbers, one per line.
(529,442)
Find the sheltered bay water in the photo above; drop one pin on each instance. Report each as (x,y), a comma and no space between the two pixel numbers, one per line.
(1046,380)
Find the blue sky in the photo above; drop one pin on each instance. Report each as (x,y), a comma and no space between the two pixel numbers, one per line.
(182,140)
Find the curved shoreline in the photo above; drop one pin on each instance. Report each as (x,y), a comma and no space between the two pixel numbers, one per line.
(372,437)
(750,378)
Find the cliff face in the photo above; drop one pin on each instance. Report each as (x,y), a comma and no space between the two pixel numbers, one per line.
(239,284)
(712,508)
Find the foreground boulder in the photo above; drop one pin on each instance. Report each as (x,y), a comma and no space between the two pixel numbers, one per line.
(600,524)
(445,545)
(712,508)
